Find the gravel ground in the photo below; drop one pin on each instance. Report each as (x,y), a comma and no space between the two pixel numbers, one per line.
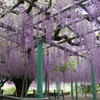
(80,97)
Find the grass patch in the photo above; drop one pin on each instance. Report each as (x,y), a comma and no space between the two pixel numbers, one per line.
(9,91)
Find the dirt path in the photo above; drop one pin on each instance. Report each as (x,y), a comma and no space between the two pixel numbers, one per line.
(80,97)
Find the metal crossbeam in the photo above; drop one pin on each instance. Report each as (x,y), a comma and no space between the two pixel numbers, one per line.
(83,7)
(63,10)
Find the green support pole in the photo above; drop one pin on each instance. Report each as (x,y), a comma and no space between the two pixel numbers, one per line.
(82,88)
(85,89)
(93,82)
(26,86)
(46,85)
(40,70)
(58,90)
(72,90)
(76,90)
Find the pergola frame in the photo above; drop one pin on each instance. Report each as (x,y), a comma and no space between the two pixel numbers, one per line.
(68,40)
(80,3)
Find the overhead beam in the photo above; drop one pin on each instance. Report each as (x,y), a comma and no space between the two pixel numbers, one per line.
(66,49)
(83,7)
(33,4)
(63,10)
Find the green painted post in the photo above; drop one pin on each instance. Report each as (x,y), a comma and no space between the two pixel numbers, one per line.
(40,70)
(26,86)
(58,90)
(46,85)
(93,82)
(72,90)
(82,88)
(76,90)
(85,89)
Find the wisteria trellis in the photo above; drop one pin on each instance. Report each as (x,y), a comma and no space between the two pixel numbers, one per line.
(77,23)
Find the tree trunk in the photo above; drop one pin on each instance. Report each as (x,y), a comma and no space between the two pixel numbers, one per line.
(18,84)
(88,88)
